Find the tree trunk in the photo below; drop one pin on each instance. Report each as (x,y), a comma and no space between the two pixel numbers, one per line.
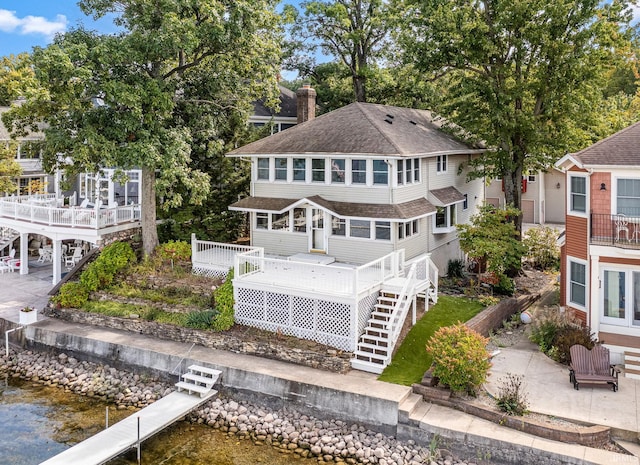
(513,196)
(359,88)
(148,213)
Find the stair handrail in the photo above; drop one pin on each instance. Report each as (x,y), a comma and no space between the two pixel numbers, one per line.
(182,360)
(400,309)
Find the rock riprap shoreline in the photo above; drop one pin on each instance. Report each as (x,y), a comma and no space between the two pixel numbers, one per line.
(325,440)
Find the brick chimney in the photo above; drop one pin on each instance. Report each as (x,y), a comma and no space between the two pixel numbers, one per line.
(306,103)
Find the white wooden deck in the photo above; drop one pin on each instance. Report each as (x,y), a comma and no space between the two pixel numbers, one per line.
(123,436)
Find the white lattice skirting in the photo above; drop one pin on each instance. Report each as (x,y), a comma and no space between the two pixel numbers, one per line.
(210,271)
(324,321)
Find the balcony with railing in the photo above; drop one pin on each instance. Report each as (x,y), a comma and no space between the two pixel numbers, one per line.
(47,209)
(617,230)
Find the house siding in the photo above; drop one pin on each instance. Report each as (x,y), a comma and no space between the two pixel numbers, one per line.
(600,199)
(280,243)
(577,238)
(335,192)
(554,208)
(415,245)
(358,251)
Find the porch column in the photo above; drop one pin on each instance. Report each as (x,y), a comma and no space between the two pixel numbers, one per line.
(57,261)
(593,304)
(24,253)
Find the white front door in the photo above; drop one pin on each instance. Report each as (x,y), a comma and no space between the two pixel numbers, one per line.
(318,237)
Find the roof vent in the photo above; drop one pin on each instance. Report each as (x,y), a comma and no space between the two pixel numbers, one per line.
(413,122)
(387,120)
(390,116)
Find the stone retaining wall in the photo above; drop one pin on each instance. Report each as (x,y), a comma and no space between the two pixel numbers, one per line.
(492,317)
(331,360)
(590,436)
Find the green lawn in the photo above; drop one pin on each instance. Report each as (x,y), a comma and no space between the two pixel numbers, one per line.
(411,359)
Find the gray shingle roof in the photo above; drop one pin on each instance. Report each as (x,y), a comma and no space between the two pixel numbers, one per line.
(405,211)
(363,129)
(446,196)
(621,148)
(288,105)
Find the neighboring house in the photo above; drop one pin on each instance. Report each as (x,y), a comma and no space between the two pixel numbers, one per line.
(278,121)
(348,214)
(41,223)
(541,192)
(600,265)
(33,179)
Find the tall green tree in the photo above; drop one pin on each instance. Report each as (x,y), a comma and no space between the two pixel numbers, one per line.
(121,100)
(9,168)
(353,31)
(15,74)
(519,73)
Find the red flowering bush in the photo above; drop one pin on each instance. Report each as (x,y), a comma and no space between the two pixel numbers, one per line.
(460,358)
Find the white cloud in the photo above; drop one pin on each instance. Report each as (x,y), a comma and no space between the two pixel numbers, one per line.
(9,22)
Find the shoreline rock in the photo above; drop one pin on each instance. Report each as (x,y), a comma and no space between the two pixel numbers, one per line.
(332,441)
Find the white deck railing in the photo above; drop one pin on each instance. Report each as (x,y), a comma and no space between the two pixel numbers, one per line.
(43,209)
(326,279)
(217,253)
(401,308)
(426,275)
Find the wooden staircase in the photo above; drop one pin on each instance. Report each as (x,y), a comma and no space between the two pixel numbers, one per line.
(374,346)
(199,380)
(396,297)
(632,365)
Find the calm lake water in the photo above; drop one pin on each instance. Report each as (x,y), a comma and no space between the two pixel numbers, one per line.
(38,422)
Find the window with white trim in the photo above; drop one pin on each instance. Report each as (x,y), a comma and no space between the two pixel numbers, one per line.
(620,296)
(317,169)
(577,283)
(300,219)
(299,169)
(338,226)
(360,228)
(407,229)
(465,202)
(531,176)
(578,194)
(281,169)
(445,219)
(441,164)
(263,168)
(380,172)
(262,220)
(383,231)
(628,197)
(337,170)
(280,221)
(358,171)
(408,171)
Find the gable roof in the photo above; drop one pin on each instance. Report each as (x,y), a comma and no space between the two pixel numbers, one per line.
(363,129)
(619,149)
(288,105)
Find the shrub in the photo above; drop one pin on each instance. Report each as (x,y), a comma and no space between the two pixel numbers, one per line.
(113,259)
(555,332)
(542,249)
(505,286)
(455,268)
(71,295)
(223,297)
(460,358)
(174,250)
(510,398)
(201,320)
(568,336)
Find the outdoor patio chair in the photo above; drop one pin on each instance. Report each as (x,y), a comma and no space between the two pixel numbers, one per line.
(622,226)
(592,367)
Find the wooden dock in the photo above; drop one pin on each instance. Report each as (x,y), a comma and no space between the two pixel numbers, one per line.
(123,436)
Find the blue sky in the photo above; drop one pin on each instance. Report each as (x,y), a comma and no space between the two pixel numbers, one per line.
(28,23)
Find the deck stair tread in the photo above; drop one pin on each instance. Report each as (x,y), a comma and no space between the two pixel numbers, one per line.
(198,379)
(375,347)
(367,366)
(205,380)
